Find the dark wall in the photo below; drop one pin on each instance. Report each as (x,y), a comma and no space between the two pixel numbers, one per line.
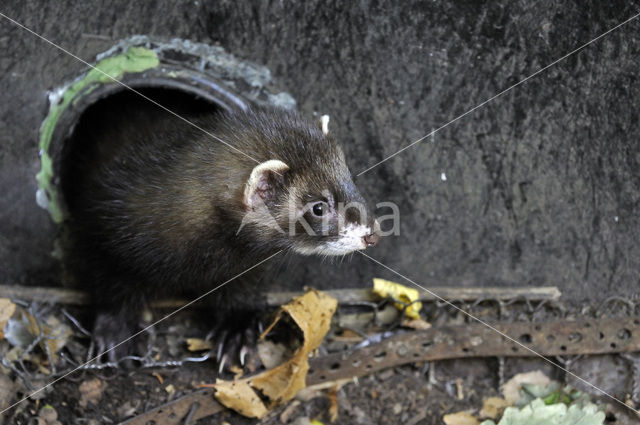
(542,184)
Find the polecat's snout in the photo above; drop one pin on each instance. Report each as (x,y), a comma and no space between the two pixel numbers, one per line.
(371,239)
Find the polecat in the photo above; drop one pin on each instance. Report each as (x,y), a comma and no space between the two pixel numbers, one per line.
(160,208)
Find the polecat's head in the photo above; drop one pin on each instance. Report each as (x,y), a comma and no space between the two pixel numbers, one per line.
(304,197)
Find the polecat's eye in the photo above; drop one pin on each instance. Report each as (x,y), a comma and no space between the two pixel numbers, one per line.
(319,209)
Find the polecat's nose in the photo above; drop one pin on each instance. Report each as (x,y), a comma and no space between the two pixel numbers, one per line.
(371,240)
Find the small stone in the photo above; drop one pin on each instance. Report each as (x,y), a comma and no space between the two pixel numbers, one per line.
(386,374)
(48,413)
(360,416)
(128,409)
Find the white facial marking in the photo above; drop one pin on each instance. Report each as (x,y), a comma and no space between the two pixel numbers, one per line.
(350,238)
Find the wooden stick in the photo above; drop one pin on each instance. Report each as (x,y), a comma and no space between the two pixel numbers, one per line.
(74,297)
(43,294)
(448,293)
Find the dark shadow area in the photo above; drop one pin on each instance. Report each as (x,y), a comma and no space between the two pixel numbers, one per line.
(118,111)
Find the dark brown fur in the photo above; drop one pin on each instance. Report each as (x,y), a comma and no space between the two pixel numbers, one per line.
(155,204)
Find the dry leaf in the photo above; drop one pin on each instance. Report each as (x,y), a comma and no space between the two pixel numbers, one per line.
(158,377)
(406,295)
(23,328)
(57,334)
(460,418)
(511,389)
(237,371)
(333,403)
(241,397)
(417,324)
(197,344)
(7,308)
(91,392)
(493,407)
(312,314)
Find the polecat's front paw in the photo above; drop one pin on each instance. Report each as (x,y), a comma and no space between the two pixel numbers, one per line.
(235,343)
(112,338)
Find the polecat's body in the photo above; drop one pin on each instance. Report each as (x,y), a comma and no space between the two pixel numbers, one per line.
(160,208)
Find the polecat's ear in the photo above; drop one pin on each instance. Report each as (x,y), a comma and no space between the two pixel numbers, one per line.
(261,184)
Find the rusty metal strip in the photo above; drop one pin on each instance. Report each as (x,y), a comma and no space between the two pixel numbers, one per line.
(593,336)
(475,340)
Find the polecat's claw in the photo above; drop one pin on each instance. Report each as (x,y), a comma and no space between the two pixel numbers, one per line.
(220,343)
(243,353)
(222,363)
(249,339)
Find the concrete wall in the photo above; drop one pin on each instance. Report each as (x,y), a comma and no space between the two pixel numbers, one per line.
(542,184)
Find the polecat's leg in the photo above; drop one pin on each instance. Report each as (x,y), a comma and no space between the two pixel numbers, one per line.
(113,331)
(117,301)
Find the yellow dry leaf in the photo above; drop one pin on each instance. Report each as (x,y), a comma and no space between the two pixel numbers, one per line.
(333,403)
(7,308)
(241,397)
(312,313)
(493,407)
(197,344)
(460,418)
(386,288)
(417,324)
